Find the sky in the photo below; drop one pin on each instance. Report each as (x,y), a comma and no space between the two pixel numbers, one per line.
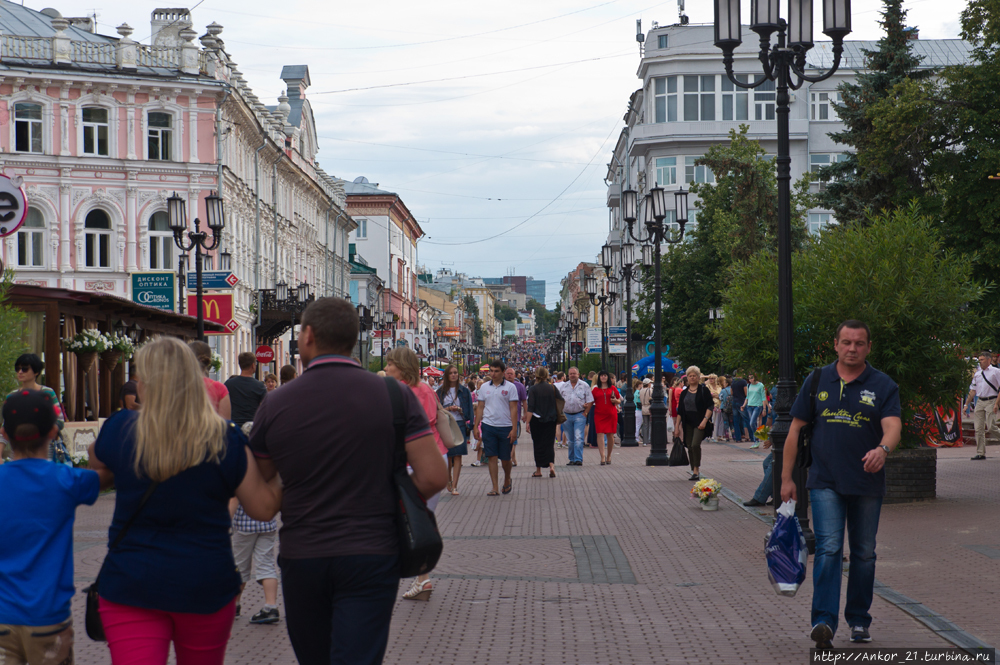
(494,122)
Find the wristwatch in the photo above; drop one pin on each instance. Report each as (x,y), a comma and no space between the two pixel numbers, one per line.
(885,448)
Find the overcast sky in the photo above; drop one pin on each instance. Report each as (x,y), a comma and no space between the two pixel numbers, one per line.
(480,116)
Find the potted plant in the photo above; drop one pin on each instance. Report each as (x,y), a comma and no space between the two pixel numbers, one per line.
(707,492)
(87,344)
(81,460)
(119,348)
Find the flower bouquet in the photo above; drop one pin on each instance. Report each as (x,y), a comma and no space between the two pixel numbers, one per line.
(216,362)
(707,492)
(763,433)
(81,460)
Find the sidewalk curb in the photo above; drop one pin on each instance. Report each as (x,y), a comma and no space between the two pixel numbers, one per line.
(937,623)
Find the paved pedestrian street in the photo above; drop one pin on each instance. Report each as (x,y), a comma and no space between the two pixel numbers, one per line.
(618,564)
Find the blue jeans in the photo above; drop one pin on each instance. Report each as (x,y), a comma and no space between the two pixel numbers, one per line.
(750,417)
(338,608)
(830,510)
(575,422)
(766,486)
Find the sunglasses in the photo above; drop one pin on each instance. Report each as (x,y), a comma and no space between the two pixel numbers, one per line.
(23,368)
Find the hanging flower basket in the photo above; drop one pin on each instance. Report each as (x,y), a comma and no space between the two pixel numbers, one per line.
(110,359)
(86,359)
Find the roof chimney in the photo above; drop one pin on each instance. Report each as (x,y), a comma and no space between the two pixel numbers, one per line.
(913,33)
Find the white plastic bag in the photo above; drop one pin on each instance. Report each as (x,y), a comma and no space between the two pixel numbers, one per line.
(786,551)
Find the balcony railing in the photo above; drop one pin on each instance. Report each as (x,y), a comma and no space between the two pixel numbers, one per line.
(25,48)
(123,54)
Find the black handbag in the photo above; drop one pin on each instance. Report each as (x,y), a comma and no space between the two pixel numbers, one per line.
(420,543)
(92,618)
(805,457)
(678,454)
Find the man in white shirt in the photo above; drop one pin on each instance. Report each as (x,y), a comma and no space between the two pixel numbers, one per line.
(984,386)
(579,400)
(496,410)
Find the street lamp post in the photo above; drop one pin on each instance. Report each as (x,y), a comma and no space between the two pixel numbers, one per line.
(656,234)
(784,64)
(197,240)
(603,300)
(629,271)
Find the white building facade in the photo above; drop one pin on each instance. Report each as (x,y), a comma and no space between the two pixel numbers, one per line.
(686,104)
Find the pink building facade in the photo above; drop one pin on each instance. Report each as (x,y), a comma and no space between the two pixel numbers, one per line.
(104,129)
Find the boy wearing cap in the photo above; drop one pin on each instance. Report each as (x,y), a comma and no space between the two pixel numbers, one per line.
(36,552)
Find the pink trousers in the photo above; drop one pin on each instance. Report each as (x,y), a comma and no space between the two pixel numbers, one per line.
(138,636)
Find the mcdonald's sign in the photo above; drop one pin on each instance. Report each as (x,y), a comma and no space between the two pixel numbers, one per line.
(218,309)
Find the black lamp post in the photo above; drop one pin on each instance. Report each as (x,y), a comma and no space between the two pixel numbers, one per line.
(657,233)
(182,260)
(385,322)
(365,321)
(294,302)
(602,298)
(197,240)
(784,63)
(628,272)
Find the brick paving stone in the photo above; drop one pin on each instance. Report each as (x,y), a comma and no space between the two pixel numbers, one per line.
(515,594)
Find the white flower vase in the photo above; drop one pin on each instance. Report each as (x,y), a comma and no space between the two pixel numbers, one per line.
(712,503)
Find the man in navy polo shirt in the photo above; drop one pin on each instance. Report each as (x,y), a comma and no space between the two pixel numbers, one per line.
(857,424)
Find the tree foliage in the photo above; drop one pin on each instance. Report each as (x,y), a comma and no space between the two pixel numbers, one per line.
(869,180)
(546,321)
(11,336)
(738,218)
(896,275)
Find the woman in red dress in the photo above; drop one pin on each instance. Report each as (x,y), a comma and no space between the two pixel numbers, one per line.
(606,401)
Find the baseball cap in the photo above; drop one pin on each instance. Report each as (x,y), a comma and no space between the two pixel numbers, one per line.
(28,407)
(647,381)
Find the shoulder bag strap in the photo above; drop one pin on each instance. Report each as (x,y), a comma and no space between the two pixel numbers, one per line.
(142,502)
(813,387)
(398,420)
(988,382)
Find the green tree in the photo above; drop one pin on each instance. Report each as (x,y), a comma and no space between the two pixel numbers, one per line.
(11,336)
(896,275)
(505,313)
(738,218)
(545,320)
(470,306)
(946,128)
(870,180)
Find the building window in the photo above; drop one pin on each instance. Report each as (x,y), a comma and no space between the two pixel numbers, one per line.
(31,241)
(822,105)
(665,99)
(699,98)
(95,131)
(362,231)
(666,171)
(763,100)
(818,161)
(819,221)
(160,131)
(28,127)
(735,100)
(694,173)
(661,41)
(97,227)
(161,242)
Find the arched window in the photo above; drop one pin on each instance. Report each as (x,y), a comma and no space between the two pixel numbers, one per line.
(158,135)
(97,227)
(31,241)
(161,242)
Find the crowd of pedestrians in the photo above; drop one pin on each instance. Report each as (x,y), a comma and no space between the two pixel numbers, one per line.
(202,469)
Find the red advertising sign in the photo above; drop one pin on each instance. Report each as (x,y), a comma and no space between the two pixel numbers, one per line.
(265,354)
(450,332)
(218,309)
